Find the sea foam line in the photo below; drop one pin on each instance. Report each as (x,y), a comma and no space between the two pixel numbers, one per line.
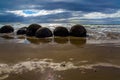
(42,65)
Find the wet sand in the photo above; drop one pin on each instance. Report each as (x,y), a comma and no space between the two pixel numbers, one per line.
(70,58)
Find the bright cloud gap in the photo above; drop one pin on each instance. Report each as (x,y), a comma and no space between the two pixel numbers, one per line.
(74,14)
(99,15)
(34,13)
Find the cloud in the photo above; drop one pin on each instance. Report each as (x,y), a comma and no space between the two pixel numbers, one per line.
(1,13)
(75,5)
(79,15)
(30,6)
(34,13)
(90,18)
(10,18)
(60,15)
(81,11)
(100,15)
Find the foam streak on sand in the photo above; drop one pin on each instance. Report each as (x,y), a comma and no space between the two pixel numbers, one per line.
(43,64)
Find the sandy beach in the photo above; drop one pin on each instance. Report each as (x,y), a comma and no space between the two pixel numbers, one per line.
(55,58)
(60,40)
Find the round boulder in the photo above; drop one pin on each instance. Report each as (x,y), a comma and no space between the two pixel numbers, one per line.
(78,31)
(43,32)
(6,29)
(31,30)
(22,31)
(61,31)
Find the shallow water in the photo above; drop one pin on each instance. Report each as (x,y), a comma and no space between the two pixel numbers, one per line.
(96,57)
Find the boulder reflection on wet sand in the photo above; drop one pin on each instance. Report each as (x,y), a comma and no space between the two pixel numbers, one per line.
(78,41)
(7,37)
(21,37)
(38,40)
(61,40)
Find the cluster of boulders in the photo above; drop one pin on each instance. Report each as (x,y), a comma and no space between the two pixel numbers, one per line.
(42,32)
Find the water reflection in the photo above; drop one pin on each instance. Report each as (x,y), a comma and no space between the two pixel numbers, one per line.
(78,41)
(21,37)
(72,40)
(8,37)
(38,40)
(61,40)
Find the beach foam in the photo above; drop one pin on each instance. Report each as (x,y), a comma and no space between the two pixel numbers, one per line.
(43,64)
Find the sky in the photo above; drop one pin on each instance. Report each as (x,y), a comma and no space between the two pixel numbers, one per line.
(60,11)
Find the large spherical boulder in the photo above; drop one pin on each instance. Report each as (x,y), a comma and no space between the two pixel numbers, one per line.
(78,31)
(31,30)
(61,31)
(6,29)
(43,32)
(22,31)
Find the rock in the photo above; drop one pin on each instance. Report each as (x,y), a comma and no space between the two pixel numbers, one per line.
(43,32)
(22,31)
(31,30)
(62,65)
(61,31)
(24,28)
(6,29)
(78,31)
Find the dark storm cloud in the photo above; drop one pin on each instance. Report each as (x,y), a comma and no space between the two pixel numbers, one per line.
(10,18)
(75,5)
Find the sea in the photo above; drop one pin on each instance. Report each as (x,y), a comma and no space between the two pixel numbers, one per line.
(95,57)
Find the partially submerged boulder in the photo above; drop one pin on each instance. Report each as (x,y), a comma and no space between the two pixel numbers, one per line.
(31,30)
(43,32)
(6,29)
(61,31)
(78,31)
(22,31)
